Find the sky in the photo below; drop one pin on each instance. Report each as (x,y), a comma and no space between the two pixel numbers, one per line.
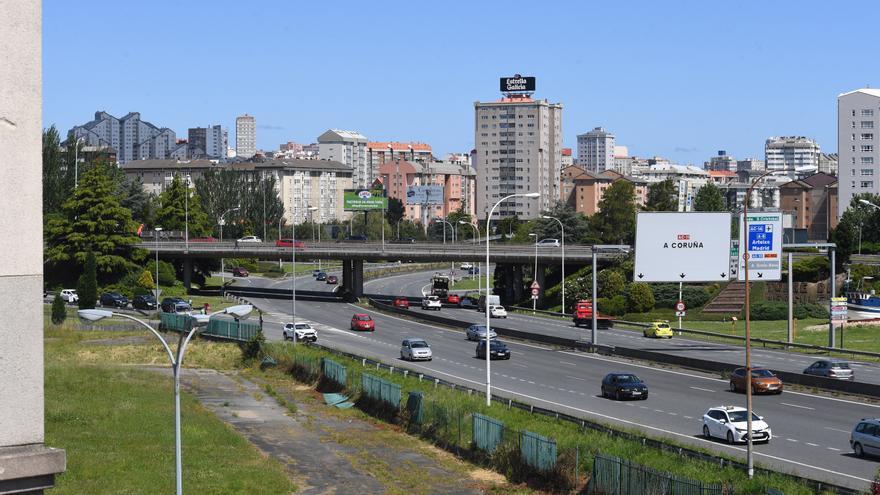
(677,79)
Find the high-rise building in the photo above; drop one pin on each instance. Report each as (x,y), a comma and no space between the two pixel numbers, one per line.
(796,153)
(858,115)
(208,142)
(518,150)
(381,152)
(349,148)
(749,164)
(721,161)
(596,150)
(245,136)
(131,137)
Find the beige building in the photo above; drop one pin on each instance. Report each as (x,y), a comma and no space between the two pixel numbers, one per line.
(584,190)
(457,180)
(245,136)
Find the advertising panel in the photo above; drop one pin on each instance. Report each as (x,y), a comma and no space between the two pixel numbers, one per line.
(517,83)
(682,247)
(424,195)
(364,199)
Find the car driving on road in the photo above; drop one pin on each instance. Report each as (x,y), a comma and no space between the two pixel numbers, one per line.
(763,381)
(431,302)
(478,332)
(401,302)
(839,370)
(249,238)
(497,312)
(497,350)
(730,423)
(69,295)
(658,329)
(289,242)
(332,280)
(865,437)
(175,305)
(467,302)
(240,272)
(619,386)
(300,331)
(362,321)
(415,348)
(321,276)
(548,243)
(453,299)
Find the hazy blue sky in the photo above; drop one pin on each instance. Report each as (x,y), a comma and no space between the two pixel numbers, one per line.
(676,79)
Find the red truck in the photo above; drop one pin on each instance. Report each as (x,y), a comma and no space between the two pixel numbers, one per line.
(582,314)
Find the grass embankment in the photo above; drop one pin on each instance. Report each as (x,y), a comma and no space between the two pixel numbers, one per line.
(467,284)
(116,422)
(567,435)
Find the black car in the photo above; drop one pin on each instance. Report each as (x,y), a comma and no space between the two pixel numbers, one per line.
(497,351)
(624,386)
(114,299)
(321,276)
(175,305)
(143,302)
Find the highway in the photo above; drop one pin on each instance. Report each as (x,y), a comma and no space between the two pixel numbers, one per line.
(811,432)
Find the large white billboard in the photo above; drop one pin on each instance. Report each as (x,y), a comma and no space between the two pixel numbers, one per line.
(424,195)
(682,247)
(764,246)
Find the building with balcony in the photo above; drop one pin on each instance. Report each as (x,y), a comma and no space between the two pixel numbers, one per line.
(812,203)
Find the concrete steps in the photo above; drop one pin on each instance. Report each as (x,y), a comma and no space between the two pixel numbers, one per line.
(731,299)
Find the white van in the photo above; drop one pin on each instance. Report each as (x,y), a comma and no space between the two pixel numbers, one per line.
(493,300)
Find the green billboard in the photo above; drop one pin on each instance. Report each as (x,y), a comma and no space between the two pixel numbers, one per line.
(364,199)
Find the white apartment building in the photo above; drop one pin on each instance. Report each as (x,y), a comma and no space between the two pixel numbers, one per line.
(208,142)
(131,137)
(349,148)
(518,150)
(245,136)
(596,150)
(791,152)
(858,120)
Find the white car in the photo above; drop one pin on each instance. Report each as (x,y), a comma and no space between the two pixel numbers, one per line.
(301,331)
(413,349)
(431,302)
(250,238)
(729,423)
(466,266)
(497,312)
(69,295)
(548,243)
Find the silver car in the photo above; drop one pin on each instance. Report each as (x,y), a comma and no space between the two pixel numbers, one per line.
(478,332)
(865,437)
(839,370)
(413,349)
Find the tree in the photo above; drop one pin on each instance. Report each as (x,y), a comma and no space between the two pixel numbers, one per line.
(59,311)
(145,281)
(640,297)
(57,172)
(577,226)
(396,211)
(181,208)
(615,221)
(857,217)
(610,283)
(709,198)
(254,193)
(87,288)
(662,196)
(132,196)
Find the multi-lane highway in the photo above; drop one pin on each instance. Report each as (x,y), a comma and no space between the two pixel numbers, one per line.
(811,432)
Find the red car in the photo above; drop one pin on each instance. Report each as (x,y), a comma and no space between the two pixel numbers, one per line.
(239,272)
(361,321)
(453,299)
(289,243)
(332,279)
(401,302)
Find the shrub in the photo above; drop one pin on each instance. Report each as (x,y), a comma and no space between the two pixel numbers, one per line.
(640,297)
(614,306)
(87,287)
(248,264)
(812,269)
(253,348)
(59,311)
(610,283)
(767,310)
(666,295)
(145,280)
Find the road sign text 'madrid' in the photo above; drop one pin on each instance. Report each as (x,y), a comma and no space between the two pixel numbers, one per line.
(682,247)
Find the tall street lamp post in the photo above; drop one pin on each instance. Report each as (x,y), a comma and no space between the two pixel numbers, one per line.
(535,272)
(561,226)
(474,273)
(488,291)
(221,221)
(156,230)
(596,249)
(76,162)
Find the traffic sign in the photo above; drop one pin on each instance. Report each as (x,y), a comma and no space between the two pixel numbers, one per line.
(763,247)
(535,292)
(534,296)
(535,285)
(682,247)
(680,307)
(680,313)
(157,293)
(838,309)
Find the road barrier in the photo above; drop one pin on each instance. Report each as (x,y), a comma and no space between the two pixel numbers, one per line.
(615,476)
(380,390)
(538,451)
(237,330)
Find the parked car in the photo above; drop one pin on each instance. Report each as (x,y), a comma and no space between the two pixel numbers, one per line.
(299,331)
(203,239)
(321,276)
(466,266)
(478,332)
(361,321)
(240,271)
(332,279)
(731,424)
(474,270)
(113,299)
(249,238)
(69,295)
(431,302)
(414,348)
(624,386)
(830,368)
(467,302)
(763,381)
(453,299)
(658,329)
(865,437)
(497,312)
(497,350)
(145,301)
(401,302)
(290,243)
(175,305)
(548,243)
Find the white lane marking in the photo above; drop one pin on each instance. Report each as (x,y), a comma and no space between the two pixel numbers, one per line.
(576,378)
(832,448)
(688,417)
(797,406)
(791,439)
(837,429)
(566,362)
(812,444)
(702,389)
(520,365)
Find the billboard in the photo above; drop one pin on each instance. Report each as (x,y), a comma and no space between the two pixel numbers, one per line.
(424,195)
(764,246)
(517,83)
(682,247)
(364,199)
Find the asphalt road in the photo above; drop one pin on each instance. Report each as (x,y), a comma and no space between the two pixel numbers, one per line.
(811,432)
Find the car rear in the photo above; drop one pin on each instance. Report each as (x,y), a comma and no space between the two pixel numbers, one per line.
(840,370)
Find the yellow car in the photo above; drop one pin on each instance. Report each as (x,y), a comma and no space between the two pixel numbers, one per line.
(658,329)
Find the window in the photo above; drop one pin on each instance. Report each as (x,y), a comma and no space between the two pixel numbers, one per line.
(866,160)
(867,112)
(867,136)
(867,124)
(867,148)
(867,172)
(867,184)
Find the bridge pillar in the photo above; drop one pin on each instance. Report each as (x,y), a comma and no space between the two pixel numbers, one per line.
(541,277)
(187,274)
(516,282)
(357,289)
(347,282)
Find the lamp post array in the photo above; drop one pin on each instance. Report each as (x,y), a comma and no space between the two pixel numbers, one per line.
(561,226)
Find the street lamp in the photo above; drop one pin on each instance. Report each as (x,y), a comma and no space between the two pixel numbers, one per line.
(489,291)
(445,223)
(535,273)
(196,323)
(476,235)
(561,226)
(223,260)
(157,230)
(311,221)
(596,248)
(872,205)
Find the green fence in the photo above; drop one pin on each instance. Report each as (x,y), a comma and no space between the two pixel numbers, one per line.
(232,330)
(615,476)
(538,451)
(414,407)
(175,322)
(488,432)
(381,390)
(334,372)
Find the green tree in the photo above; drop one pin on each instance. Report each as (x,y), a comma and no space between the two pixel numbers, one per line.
(615,221)
(640,297)
(662,196)
(59,311)
(709,198)
(396,211)
(181,207)
(577,226)
(610,283)
(143,206)
(87,288)
(254,192)
(145,281)
(57,172)
(858,219)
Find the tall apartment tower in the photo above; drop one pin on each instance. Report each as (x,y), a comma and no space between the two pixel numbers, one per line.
(858,115)
(131,137)
(245,136)
(596,150)
(518,150)
(791,152)
(349,148)
(208,142)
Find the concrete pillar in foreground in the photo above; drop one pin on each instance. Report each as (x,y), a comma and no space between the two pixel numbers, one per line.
(347,282)
(187,274)
(357,288)
(26,465)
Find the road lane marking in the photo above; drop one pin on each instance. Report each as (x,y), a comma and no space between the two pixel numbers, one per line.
(832,448)
(797,406)
(576,378)
(812,444)
(791,439)
(566,362)
(837,429)
(702,389)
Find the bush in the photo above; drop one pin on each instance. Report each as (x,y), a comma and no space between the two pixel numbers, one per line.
(812,269)
(87,287)
(254,348)
(145,280)
(640,297)
(767,310)
(59,311)
(610,283)
(666,295)
(248,264)
(614,306)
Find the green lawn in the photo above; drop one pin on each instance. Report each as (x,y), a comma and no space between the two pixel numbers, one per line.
(468,284)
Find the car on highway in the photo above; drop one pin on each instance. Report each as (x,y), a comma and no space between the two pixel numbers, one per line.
(466,266)
(321,276)
(69,295)
(113,299)
(478,332)
(289,243)
(474,270)
(763,381)
(497,350)
(865,437)
(240,271)
(332,280)
(248,238)
(467,302)
(730,423)
(453,299)
(362,321)
(619,386)
(658,330)
(497,311)
(548,243)
(401,302)
(144,301)
(415,349)
(299,331)
(175,305)
(315,272)
(431,302)
(830,368)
